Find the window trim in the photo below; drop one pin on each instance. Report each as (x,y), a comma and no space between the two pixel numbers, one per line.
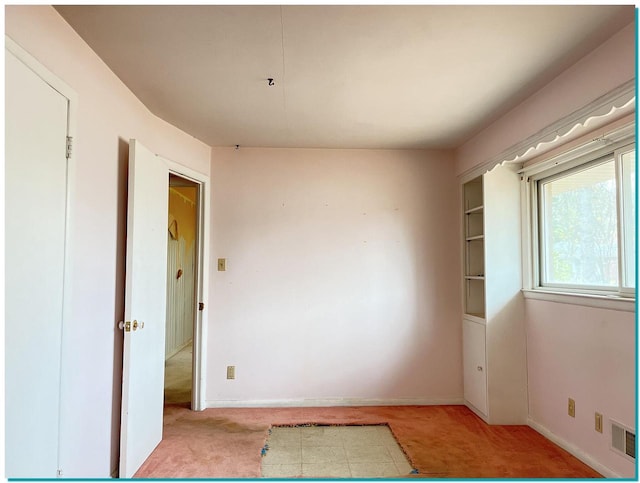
(572,287)
(594,152)
(610,302)
(622,248)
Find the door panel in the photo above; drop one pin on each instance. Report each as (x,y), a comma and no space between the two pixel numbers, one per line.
(475,371)
(145,308)
(35,217)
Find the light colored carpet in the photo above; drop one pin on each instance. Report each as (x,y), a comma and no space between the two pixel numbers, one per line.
(177,377)
(333,452)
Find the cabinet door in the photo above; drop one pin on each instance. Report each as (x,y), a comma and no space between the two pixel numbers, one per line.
(475,373)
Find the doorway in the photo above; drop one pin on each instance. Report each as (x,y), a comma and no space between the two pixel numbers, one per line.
(182,279)
(143,375)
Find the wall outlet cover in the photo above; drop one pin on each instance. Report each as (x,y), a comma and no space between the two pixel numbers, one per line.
(231,372)
(572,408)
(599,422)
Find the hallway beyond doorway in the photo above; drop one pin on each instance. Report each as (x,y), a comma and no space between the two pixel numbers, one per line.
(177,377)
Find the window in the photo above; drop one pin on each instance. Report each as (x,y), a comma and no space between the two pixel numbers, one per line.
(586,224)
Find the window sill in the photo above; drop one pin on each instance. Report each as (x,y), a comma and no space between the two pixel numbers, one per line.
(611,302)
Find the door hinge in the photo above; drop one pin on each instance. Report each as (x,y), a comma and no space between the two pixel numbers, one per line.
(201,306)
(69,146)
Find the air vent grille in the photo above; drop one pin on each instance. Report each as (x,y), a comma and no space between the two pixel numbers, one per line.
(623,440)
(630,447)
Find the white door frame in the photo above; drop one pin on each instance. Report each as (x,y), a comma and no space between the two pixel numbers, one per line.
(72,115)
(198,387)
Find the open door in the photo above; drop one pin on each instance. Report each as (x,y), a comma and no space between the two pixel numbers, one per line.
(145,308)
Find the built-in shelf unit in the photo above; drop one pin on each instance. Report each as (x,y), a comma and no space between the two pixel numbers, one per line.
(474,249)
(493,324)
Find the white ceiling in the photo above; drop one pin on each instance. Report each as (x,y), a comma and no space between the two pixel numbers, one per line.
(345,76)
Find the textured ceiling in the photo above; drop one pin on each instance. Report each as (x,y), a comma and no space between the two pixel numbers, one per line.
(345,76)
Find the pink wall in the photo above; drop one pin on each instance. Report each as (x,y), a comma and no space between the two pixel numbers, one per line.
(607,67)
(342,277)
(108,115)
(587,354)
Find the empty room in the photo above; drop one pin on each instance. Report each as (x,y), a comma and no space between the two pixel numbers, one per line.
(345,241)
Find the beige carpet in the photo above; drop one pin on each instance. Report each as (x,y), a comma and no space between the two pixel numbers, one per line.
(340,451)
(177,377)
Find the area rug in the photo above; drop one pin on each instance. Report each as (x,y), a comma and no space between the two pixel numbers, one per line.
(316,450)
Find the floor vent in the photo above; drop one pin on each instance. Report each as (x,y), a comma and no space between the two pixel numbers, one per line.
(623,440)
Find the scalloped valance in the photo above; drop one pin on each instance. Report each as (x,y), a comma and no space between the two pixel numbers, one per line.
(605,106)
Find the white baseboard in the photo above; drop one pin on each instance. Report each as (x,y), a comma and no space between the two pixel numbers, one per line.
(475,411)
(286,403)
(574,450)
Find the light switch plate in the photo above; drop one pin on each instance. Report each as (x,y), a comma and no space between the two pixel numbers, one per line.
(231,372)
(222,264)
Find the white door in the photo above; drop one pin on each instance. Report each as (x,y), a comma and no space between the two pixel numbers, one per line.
(35,217)
(145,308)
(475,371)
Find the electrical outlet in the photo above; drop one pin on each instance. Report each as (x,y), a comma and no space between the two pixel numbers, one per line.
(222,264)
(231,372)
(599,422)
(572,408)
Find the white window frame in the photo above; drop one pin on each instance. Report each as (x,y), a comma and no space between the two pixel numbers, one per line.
(626,291)
(599,149)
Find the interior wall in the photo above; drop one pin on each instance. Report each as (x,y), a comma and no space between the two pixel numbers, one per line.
(181,258)
(108,116)
(183,209)
(572,350)
(587,354)
(342,277)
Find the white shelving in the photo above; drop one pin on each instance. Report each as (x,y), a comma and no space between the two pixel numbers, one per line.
(494,345)
(474,248)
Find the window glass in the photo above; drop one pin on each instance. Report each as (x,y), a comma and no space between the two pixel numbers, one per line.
(579,228)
